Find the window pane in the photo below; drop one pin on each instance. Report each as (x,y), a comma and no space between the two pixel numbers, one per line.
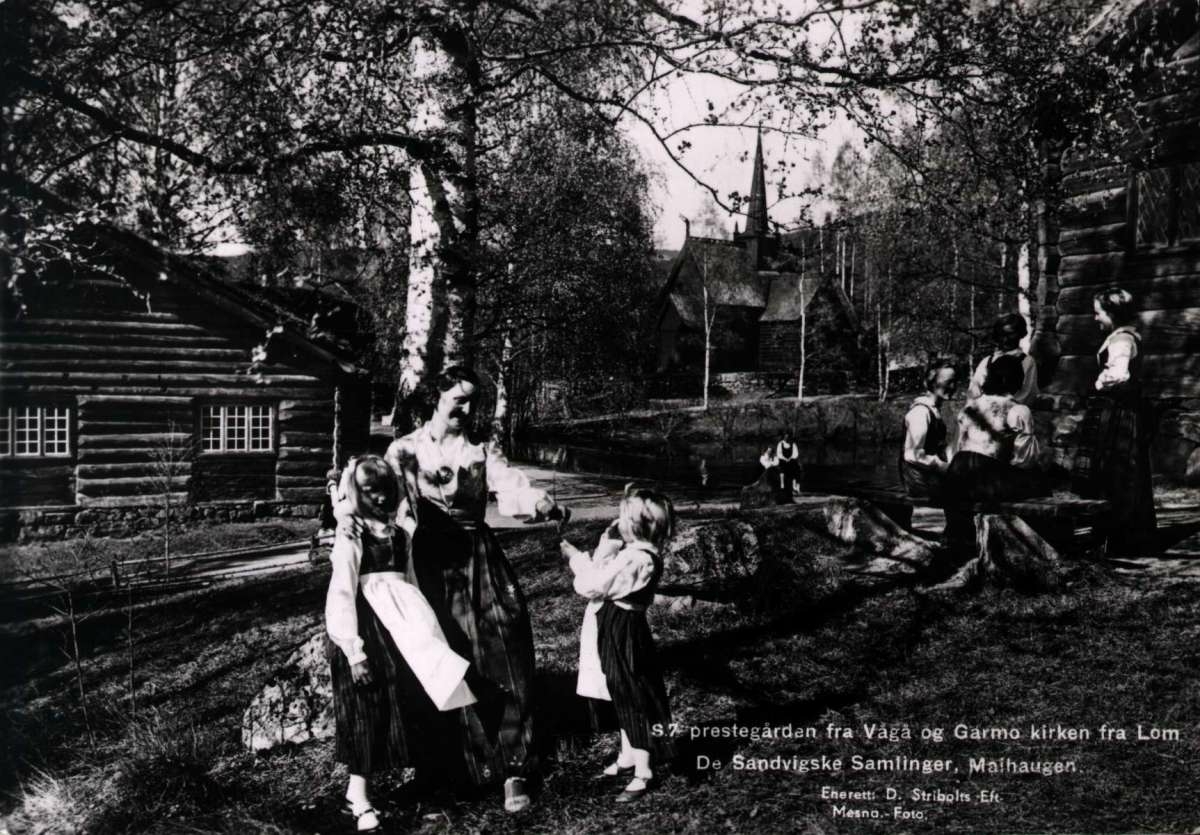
(1153,206)
(56,431)
(210,429)
(26,440)
(5,429)
(235,428)
(1189,201)
(260,427)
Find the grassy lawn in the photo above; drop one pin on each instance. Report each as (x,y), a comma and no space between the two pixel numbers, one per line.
(812,650)
(19,561)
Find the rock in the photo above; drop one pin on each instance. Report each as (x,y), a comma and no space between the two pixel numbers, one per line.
(296,705)
(713,556)
(1191,475)
(761,493)
(1181,424)
(867,528)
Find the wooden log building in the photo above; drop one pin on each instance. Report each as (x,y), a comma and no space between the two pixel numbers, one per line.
(151,375)
(1134,222)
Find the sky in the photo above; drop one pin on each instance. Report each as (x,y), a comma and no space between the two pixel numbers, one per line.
(723,158)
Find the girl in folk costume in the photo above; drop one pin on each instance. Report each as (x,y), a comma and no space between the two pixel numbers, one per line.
(617,659)
(462,570)
(1007,333)
(925,456)
(388,656)
(998,457)
(1114,461)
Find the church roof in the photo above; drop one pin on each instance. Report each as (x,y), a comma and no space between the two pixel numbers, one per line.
(790,296)
(727,271)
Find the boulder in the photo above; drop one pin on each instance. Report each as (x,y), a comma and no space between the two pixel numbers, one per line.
(296,705)
(761,493)
(714,556)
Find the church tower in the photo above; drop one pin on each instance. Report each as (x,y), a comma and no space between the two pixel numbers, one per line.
(757,238)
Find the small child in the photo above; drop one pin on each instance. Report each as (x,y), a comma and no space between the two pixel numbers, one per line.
(383,637)
(618,660)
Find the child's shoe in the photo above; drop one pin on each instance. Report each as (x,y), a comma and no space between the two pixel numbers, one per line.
(516,798)
(635,789)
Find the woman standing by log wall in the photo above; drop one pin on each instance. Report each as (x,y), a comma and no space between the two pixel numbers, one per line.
(1114,461)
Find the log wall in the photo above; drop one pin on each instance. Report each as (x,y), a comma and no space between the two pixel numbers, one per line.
(1100,249)
(136,372)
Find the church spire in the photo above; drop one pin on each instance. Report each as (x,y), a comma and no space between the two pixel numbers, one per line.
(756,214)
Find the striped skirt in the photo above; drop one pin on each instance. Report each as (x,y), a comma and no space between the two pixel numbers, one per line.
(463,573)
(385,724)
(1113,463)
(635,680)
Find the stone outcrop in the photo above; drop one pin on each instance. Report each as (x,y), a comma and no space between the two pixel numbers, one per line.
(296,706)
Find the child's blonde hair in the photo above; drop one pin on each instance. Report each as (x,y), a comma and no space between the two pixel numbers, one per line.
(377,469)
(651,515)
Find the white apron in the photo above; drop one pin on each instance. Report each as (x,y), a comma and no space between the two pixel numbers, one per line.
(411,622)
(592,683)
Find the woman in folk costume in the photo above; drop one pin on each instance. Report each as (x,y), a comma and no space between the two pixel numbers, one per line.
(462,570)
(787,457)
(1114,461)
(1007,333)
(388,656)
(618,661)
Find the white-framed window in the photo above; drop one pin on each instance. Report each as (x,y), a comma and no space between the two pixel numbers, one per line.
(237,428)
(35,432)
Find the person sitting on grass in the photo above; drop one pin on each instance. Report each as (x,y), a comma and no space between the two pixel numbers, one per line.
(391,667)
(618,661)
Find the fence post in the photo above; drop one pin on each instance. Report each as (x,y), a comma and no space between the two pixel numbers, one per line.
(116,574)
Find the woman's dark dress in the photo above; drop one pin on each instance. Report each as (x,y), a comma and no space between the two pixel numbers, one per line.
(384,724)
(1113,462)
(462,571)
(632,671)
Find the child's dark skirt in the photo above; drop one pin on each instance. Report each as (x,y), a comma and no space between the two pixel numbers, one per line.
(634,676)
(389,723)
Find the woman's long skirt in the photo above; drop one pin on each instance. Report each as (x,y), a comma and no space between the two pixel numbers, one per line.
(463,573)
(384,724)
(635,680)
(1113,463)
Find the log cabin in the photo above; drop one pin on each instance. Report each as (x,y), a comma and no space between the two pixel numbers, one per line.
(1133,220)
(144,377)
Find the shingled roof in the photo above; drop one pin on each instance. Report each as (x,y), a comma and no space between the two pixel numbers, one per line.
(724,268)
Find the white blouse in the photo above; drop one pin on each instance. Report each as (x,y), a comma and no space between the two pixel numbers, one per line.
(614,570)
(985,422)
(457,475)
(341,614)
(1122,347)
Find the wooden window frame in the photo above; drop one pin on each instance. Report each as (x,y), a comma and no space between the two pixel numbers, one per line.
(1174,198)
(8,447)
(224,408)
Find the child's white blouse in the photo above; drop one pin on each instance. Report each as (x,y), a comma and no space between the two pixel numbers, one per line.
(614,570)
